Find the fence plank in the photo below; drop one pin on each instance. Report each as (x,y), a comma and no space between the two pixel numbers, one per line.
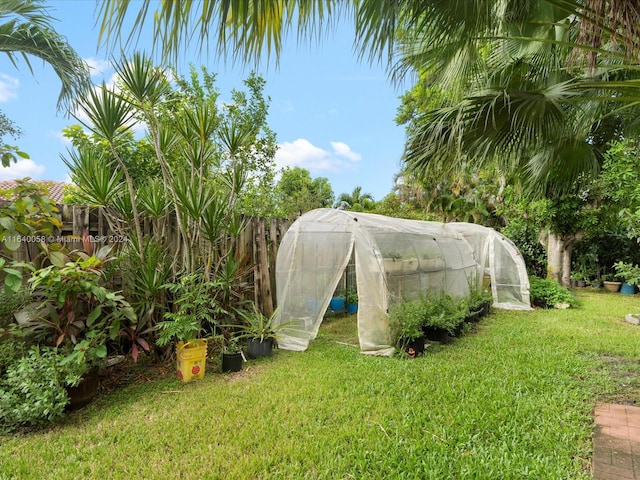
(259,241)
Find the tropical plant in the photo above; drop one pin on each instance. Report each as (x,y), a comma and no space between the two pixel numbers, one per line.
(193,308)
(232,290)
(627,272)
(26,31)
(144,285)
(356,200)
(260,327)
(200,155)
(448,39)
(352,296)
(77,314)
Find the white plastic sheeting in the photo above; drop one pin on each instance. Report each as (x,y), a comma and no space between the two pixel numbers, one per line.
(501,261)
(394,258)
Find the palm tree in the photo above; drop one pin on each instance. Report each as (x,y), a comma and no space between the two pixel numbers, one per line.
(535,107)
(356,200)
(25,31)
(530,81)
(517,93)
(249,29)
(517,71)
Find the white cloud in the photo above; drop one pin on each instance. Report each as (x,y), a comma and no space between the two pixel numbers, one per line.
(8,87)
(97,66)
(23,168)
(343,150)
(57,135)
(302,153)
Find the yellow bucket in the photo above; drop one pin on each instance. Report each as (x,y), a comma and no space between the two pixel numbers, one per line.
(192,359)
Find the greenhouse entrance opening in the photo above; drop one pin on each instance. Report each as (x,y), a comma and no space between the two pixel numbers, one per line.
(394,259)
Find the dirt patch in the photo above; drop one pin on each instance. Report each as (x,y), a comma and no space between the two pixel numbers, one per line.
(626,376)
(127,373)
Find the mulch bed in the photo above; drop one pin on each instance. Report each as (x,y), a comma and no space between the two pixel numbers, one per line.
(127,373)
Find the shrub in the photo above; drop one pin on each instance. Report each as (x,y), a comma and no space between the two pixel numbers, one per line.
(549,293)
(11,350)
(406,318)
(32,391)
(627,272)
(443,311)
(10,302)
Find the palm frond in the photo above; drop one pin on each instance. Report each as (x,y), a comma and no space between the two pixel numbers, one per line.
(243,29)
(26,32)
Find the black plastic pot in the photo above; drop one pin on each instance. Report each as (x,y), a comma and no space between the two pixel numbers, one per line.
(231,362)
(473,317)
(458,330)
(417,345)
(435,334)
(540,302)
(257,348)
(486,306)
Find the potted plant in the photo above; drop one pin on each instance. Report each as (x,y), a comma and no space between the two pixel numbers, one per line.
(405,322)
(260,333)
(443,316)
(629,274)
(610,284)
(479,302)
(337,303)
(184,324)
(578,278)
(232,356)
(77,314)
(352,300)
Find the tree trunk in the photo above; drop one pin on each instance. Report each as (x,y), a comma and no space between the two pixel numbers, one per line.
(559,248)
(555,253)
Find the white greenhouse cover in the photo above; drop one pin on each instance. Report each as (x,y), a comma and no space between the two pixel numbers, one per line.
(394,258)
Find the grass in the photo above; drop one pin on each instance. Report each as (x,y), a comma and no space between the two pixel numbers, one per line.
(512,399)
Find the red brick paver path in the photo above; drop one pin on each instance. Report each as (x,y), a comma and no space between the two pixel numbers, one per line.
(616,442)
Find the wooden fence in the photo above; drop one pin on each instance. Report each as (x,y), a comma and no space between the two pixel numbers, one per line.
(259,241)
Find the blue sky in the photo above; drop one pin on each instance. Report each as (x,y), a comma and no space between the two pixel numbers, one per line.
(332,114)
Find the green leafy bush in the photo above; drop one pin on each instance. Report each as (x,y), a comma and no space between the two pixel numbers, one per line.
(193,308)
(406,318)
(443,311)
(10,302)
(32,391)
(627,272)
(549,293)
(11,350)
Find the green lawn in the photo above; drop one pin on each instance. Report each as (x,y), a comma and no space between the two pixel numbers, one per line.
(514,399)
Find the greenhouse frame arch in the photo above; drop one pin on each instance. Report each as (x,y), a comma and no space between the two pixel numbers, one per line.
(394,258)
